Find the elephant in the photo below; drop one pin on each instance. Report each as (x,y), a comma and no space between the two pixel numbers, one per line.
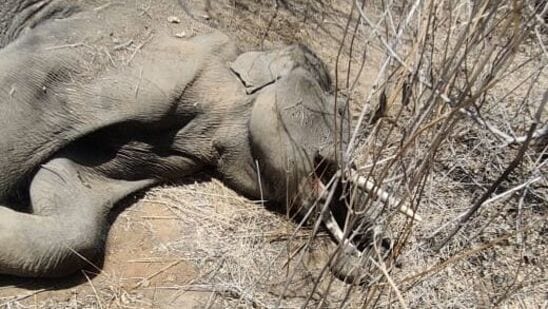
(85,123)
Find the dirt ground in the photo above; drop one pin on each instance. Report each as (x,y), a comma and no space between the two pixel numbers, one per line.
(197,244)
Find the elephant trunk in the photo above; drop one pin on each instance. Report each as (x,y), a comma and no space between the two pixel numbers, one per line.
(349,262)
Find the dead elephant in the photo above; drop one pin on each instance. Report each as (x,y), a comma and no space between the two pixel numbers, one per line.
(79,132)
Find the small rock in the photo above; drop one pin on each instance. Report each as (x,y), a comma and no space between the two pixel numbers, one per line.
(174,20)
(180,35)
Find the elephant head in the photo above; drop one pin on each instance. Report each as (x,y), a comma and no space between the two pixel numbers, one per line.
(299,134)
(295,125)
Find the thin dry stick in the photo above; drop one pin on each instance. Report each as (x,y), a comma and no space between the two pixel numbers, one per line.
(390,281)
(104,6)
(351,143)
(99,302)
(149,277)
(323,212)
(225,290)
(66,46)
(491,200)
(515,163)
(454,259)
(138,48)
(8,303)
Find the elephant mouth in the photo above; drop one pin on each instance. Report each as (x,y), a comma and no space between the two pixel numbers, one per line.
(333,200)
(329,192)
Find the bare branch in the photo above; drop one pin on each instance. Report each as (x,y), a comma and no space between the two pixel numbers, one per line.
(515,163)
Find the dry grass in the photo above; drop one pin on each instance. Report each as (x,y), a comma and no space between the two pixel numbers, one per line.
(449,105)
(445,96)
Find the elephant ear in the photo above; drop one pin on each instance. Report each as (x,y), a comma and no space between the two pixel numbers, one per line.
(259,69)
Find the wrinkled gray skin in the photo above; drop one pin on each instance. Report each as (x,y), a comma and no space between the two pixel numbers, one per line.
(80,132)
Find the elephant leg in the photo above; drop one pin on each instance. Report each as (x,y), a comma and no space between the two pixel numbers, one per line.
(67,226)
